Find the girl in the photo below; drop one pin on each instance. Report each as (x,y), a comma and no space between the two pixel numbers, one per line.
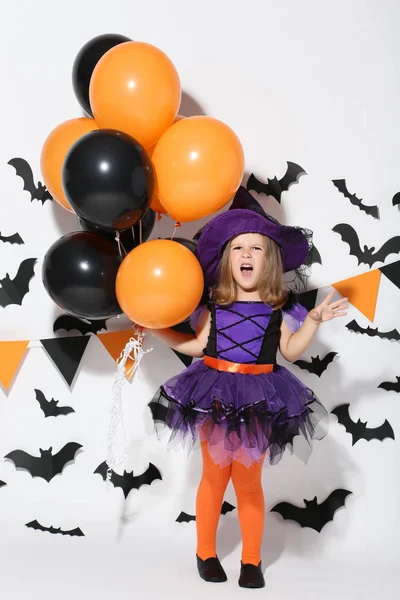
(238,401)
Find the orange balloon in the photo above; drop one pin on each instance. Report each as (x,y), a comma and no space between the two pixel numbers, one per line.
(199,164)
(159,284)
(156,205)
(135,88)
(54,151)
(150,150)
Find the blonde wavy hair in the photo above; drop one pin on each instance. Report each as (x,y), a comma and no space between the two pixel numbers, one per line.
(270,286)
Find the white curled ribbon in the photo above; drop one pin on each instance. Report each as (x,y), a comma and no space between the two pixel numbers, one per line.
(133,350)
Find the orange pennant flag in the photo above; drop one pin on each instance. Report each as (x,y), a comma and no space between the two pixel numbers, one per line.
(11,354)
(362,291)
(114,342)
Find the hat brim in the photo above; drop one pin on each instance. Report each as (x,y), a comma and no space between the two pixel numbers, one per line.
(229,224)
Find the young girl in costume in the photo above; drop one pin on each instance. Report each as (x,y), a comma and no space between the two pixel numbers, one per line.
(242,405)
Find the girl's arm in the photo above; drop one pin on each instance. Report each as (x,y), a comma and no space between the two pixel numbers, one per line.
(187,343)
(292,345)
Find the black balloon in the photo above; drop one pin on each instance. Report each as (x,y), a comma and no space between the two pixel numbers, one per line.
(85,62)
(79,272)
(130,238)
(108,179)
(198,233)
(190,244)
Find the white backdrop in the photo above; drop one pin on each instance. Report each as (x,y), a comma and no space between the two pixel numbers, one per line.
(314,83)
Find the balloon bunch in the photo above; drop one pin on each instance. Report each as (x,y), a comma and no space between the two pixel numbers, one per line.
(133,156)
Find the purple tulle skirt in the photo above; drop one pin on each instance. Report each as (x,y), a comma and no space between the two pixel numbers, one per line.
(242,417)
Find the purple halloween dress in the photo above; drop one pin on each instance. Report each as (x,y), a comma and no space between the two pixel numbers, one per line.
(242,416)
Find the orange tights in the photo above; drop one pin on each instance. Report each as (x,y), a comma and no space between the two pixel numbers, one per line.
(251,509)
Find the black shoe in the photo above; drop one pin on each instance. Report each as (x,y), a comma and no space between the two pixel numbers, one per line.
(211,570)
(251,576)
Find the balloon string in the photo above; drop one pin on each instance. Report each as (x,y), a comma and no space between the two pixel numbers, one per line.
(123,248)
(133,350)
(117,239)
(140,232)
(133,235)
(177,224)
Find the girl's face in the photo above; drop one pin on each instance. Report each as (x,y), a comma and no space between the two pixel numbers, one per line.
(247,258)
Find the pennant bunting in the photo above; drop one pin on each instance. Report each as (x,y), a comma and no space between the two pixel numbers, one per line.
(185,358)
(66,353)
(362,291)
(392,272)
(184,327)
(11,354)
(308,299)
(114,342)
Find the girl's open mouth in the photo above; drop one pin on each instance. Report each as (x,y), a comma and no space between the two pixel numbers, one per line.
(246,270)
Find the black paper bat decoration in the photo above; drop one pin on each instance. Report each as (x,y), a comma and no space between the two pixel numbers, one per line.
(69,322)
(396,199)
(340,184)
(226,507)
(275,186)
(129,481)
(13,291)
(391,386)
(186,518)
(50,408)
(12,239)
(23,170)
(385,335)
(314,515)
(2,483)
(367,256)
(55,530)
(47,465)
(359,429)
(313,257)
(317,365)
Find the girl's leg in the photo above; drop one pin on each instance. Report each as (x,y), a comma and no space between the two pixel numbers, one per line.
(251,509)
(209,500)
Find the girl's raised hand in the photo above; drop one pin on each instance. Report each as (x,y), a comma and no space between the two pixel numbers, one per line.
(328,310)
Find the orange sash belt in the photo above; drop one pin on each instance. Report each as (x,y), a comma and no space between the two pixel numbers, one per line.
(231,367)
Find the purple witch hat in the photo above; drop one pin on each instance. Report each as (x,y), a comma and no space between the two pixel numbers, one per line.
(246,215)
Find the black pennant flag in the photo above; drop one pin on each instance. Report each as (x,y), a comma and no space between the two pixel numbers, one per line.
(392,272)
(187,360)
(66,353)
(308,299)
(184,327)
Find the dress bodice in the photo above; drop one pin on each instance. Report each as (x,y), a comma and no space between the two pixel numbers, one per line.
(244,332)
